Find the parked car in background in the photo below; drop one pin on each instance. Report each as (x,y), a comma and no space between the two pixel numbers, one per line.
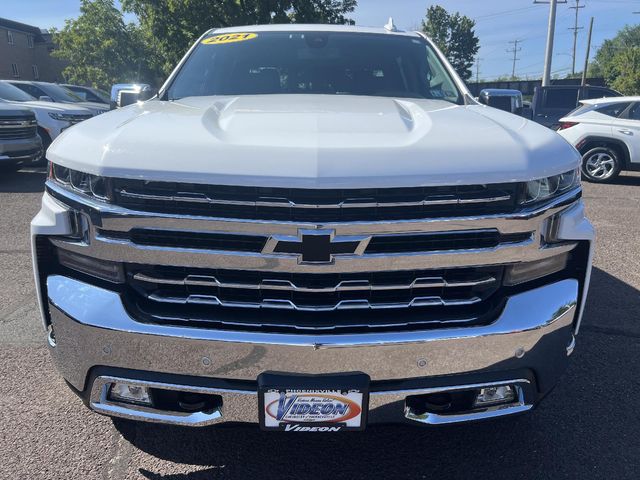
(502,99)
(52,118)
(606,132)
(55,93)
(19,140)
(551,103)
(88,94)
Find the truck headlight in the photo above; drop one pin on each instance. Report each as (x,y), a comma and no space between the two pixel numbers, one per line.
(545,188)
(70,117)
(80,182)
(62,117)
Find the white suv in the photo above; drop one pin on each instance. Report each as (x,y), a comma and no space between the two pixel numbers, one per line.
(606,131)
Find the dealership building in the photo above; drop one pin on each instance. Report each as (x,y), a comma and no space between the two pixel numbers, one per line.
(25,53)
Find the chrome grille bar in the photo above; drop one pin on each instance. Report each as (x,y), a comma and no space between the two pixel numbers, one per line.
(285,203)
(18,123)
(286,285)
(290,305)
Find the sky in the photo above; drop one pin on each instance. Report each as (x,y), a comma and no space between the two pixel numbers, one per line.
(498,22)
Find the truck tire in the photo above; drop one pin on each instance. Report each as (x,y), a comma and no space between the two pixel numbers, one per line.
(601,165)
(46,141)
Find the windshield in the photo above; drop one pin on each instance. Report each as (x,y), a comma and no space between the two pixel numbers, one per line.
(14,94)
(331,63)
(60,94)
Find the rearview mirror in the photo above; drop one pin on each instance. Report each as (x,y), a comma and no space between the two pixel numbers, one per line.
(45,98)
(123,94)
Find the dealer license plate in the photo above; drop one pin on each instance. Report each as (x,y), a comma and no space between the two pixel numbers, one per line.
(316,403)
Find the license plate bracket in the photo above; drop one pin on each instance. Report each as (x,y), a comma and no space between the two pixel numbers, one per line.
(313,403)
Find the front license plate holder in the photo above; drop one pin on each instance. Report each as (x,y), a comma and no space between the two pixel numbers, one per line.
(313,403)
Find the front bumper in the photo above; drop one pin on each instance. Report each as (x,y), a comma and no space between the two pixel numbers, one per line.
(94,332)
(20,151)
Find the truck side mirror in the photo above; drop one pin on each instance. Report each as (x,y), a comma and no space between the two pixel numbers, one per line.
(503,99)
(123,94)
(483,97)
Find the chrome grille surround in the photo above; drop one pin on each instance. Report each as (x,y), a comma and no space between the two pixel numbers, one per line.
(96,216)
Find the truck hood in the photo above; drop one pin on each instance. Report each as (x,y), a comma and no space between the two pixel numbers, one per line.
(10,110)
(320,141)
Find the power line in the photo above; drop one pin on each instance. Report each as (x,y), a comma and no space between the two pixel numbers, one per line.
(515,49)
(515,11)
(575,29)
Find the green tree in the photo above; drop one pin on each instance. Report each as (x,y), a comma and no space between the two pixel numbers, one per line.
(99,48)
(627,68)
(174,25)
(454,34)
(618,61)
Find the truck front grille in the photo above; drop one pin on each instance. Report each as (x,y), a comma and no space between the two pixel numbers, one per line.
(314,292)
(12,128)
(315,205)
(171,294)
(258,258)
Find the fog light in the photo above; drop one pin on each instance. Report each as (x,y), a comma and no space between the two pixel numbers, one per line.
(124,392)
(527,271)
(494,396)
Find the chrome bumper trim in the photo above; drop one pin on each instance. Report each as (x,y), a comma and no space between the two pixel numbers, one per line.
(128,252)
(93,328)
(521,405)
(242,405)
(100,402)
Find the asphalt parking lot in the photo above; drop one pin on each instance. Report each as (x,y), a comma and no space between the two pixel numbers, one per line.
(589,427)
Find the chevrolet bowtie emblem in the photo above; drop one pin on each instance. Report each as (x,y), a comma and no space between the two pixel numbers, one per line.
(316,246)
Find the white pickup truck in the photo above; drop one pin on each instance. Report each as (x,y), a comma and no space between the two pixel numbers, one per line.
(314,228)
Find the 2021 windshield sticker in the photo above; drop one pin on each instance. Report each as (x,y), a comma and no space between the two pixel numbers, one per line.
(229,38)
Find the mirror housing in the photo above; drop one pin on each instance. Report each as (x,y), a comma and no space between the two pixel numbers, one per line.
(45,98)
(123,94)
(503,99)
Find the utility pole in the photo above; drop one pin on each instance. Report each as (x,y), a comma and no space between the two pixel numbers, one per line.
(478,69)
(586,57)
(548,54)
(575,29)
(515,51)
